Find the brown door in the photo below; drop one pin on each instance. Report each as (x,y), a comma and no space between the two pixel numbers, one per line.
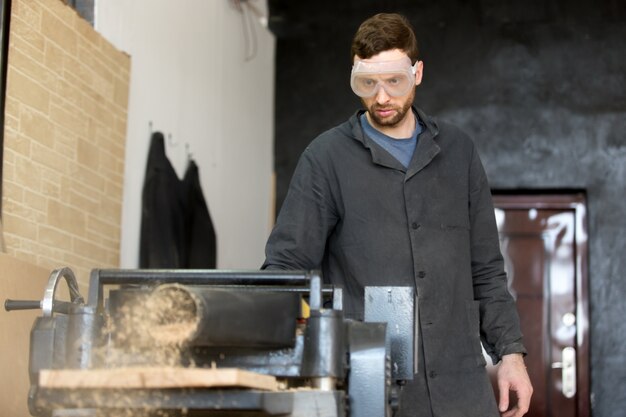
(544,244)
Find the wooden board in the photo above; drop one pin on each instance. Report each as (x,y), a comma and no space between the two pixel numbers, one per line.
(155,377)
(19,280)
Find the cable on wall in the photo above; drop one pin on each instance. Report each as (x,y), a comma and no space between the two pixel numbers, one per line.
(247,10)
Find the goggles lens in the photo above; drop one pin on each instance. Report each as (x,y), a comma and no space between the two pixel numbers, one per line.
(395,77)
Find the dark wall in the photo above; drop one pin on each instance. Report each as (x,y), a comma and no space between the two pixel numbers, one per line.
(540,85)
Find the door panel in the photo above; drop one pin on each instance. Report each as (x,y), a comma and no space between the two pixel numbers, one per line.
(544,247)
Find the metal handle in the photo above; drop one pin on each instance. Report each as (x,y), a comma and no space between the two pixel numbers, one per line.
(10,305)
(57,306)
(48,302)
(568,371)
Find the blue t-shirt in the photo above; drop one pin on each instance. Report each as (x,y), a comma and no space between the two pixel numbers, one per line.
(402,149)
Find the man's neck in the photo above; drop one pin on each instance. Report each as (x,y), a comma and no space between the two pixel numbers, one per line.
(401,130)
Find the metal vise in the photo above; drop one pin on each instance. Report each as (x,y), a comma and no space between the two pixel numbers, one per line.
(324,363)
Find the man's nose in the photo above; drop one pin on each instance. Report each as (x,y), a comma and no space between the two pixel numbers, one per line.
(382,96)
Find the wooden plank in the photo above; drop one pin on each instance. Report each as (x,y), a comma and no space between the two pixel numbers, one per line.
(155,377)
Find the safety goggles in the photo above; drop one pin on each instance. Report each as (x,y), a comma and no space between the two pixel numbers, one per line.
(395,77)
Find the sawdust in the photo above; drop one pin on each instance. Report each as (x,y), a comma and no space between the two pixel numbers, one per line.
(151,328)
(145,328)
(176,315)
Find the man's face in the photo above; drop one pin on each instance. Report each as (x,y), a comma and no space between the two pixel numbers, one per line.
(386,110)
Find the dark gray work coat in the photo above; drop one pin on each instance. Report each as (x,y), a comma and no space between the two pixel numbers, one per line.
(355,212)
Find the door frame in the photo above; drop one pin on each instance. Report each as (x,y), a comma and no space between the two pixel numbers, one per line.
(577,202)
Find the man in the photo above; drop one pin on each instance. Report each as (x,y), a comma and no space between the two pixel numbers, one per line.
(393,197)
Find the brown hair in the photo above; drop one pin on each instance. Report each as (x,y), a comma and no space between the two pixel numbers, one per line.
(383,32)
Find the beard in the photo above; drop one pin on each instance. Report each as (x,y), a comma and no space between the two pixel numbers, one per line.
(393,120)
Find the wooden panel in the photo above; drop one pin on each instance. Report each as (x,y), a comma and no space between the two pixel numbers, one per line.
(155,377)
(22,281)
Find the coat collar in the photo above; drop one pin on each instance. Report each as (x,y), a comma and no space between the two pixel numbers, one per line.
(425,151)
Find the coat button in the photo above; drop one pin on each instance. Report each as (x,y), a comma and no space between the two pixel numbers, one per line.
(432,374)
(421,274)
(415,226)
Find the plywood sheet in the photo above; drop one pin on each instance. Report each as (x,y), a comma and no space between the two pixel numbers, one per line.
(155,377)
(19,280)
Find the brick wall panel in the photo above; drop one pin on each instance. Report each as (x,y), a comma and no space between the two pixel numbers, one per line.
(68,118)
(120,93)
(81,202)
(51,189)
(67,96)
(53,237)
(89,176)
(36,126)
(57,31)
(48,160)
(36,202)
(89,250)
(19,44)
(33,69)
(60,11)
(28,174)
(66,103)
(27,91)
(14,191)
(96,225)
(53,59)
(25,33)
(88,154)
(63,216)
(90,58)
(86,32)
(77,73)
(16,145)
(24,11)
(71,184)
(19,210)
(26,229)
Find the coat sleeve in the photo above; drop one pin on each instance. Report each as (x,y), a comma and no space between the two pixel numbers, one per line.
(307,217)
(499,320)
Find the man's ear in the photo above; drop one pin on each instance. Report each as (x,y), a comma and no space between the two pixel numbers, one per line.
(419,72)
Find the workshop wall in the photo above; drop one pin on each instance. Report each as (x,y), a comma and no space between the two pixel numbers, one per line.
(203,74)
(64,138)
(540,87)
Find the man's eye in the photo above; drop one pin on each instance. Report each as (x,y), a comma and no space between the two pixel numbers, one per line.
(368,82)
(393,81)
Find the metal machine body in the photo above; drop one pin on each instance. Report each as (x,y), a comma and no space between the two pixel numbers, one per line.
(326,364)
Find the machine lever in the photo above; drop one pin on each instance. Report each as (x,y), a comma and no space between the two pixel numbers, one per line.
(57,306)
(10,305)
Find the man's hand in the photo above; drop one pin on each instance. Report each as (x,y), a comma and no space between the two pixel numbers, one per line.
(512,376)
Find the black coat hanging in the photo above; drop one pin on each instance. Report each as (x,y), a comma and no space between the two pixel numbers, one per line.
(162,240)
(176,227)
(199,232)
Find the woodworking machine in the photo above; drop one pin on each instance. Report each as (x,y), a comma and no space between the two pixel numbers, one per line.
(285,328)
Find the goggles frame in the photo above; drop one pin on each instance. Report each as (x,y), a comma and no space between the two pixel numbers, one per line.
(400,66)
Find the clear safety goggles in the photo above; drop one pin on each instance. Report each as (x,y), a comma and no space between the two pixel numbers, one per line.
(395,77)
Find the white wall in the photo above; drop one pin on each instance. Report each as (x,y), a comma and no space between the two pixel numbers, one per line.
(191,79)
